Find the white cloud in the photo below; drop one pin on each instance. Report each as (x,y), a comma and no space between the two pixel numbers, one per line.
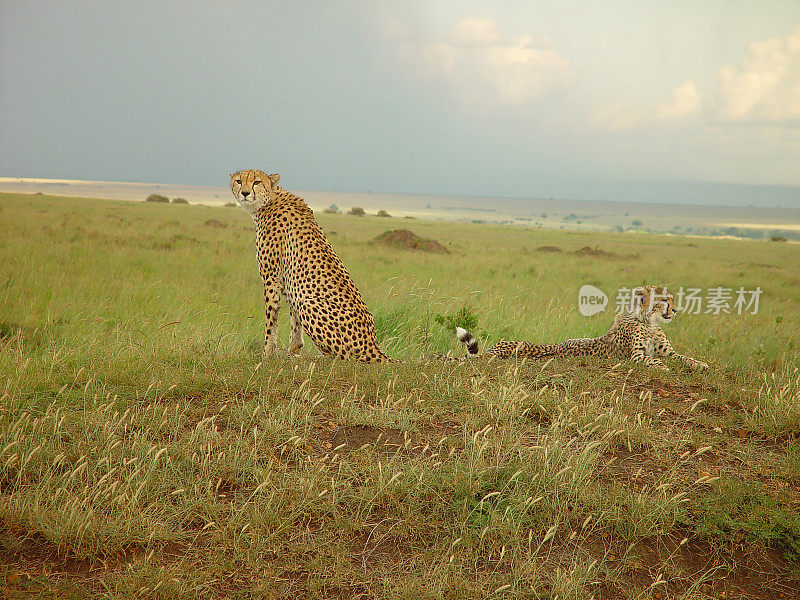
(765,86)
(473,32)
(685,102)
(481,66)
(763,89)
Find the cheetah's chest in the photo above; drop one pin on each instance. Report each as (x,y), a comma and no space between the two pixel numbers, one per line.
(629,341)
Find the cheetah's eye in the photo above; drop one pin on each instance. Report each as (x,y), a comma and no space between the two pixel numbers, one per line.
(239,181)
(256,183)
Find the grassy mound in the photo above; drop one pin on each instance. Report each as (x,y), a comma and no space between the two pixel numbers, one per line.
(408,240)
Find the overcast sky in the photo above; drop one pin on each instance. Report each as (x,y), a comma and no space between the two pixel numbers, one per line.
(566,99)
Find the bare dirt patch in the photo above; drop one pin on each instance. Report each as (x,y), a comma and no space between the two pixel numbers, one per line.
(683,561)
(347,438)
(333,437)
(29,563)
(9,330)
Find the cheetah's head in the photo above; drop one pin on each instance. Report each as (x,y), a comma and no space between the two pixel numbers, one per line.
(653,304)
(253,189)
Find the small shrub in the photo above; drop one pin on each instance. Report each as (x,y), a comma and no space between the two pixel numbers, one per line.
(331,211)
(463,317)
(156,198)
(179,201)
(229,204)
(334,208)
(383,213)
(636,223)
(777,238)
(357,211)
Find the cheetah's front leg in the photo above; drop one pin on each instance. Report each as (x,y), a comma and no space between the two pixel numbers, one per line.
(664,348)
(649,361)
(639,354)
(272,299)
(690,362)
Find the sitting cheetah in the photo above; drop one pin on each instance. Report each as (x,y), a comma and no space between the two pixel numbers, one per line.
(635,335)
(297,262)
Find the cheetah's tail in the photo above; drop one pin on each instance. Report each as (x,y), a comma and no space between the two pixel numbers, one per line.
(466,338)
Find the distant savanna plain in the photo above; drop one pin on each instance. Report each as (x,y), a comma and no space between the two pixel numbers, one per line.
(753,212)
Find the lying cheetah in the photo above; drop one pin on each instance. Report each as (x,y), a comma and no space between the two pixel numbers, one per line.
(297,262)
(635,335)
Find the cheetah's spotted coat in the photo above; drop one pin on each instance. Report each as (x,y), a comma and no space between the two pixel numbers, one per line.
(297,262)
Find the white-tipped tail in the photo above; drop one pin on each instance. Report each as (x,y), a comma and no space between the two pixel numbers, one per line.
(466,338)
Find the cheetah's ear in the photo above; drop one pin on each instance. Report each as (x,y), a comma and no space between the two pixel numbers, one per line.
(274,178)
(638,295)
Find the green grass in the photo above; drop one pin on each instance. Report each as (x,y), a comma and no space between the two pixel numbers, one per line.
(144,452)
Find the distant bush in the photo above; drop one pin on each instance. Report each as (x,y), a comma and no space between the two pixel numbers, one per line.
(789,234)
(383,213)
(357,211)
(179,201)
(333,208)
(635,223)
(331,211)
(229,204)
(777,238)
(570,217)
(156,198)
(544,215)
